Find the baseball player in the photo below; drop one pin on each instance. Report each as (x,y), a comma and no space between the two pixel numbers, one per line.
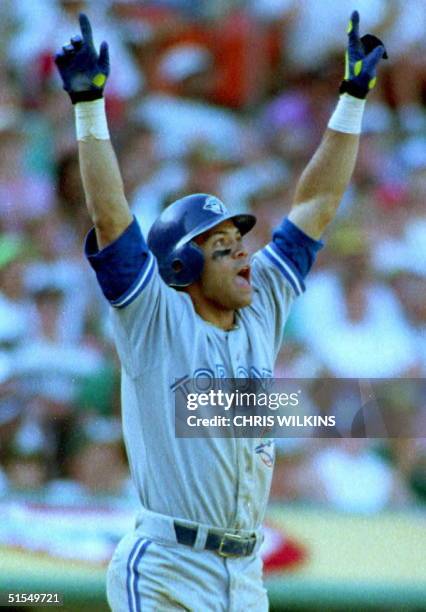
(189,304)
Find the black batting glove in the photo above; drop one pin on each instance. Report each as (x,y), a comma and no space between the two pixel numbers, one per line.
(83,72)
(361,59)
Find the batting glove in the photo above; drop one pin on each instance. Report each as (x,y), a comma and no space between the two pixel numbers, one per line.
(361,59)
(83,72)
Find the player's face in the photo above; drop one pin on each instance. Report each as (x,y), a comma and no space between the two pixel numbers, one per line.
(225,280)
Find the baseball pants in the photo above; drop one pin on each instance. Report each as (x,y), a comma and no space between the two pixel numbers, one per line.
(153,573)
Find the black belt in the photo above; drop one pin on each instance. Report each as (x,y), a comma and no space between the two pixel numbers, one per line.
(224,544)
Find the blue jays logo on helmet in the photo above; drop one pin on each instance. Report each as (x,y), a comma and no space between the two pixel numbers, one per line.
(215,205)
(180,259)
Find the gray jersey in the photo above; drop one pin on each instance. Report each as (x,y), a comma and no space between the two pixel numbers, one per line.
(162,344)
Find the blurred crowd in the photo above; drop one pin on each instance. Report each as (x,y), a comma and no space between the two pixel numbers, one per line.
(231,98)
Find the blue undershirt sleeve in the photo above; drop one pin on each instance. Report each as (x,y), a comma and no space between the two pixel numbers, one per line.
(124,267)
(293,252)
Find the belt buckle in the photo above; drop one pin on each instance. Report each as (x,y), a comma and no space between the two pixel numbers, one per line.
(235,538)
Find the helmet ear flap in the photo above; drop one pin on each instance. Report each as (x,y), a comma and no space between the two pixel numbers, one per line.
(185,264)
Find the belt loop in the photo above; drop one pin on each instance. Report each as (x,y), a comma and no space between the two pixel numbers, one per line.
(200,540)
(152,525)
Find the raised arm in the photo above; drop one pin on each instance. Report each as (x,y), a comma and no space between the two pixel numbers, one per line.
(325,179)
(84,73)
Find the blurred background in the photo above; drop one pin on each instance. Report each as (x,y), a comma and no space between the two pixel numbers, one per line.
(228,97)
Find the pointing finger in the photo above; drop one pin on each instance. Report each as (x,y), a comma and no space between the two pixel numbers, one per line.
(353,34)
(86,29)
(353,25)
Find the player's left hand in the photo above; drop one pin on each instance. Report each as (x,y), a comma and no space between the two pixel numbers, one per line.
(83,71)
(361,59)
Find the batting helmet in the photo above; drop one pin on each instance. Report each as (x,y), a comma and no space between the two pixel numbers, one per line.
(170,239)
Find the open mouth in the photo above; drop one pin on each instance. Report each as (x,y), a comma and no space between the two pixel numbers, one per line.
(243,277)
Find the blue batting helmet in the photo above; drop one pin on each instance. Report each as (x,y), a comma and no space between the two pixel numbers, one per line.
(170,239)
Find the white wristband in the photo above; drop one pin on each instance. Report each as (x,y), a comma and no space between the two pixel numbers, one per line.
(347,116)
(91,121)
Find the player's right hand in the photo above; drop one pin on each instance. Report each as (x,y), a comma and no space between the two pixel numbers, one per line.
(84,72)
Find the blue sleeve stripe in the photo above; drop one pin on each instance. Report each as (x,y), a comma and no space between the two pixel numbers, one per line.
(290,265)
(285,269)
(140,284)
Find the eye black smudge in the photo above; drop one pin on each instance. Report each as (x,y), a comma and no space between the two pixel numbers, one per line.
(220,254)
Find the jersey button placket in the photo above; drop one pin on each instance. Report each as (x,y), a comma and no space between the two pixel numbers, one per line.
(233,339)
(235,350)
